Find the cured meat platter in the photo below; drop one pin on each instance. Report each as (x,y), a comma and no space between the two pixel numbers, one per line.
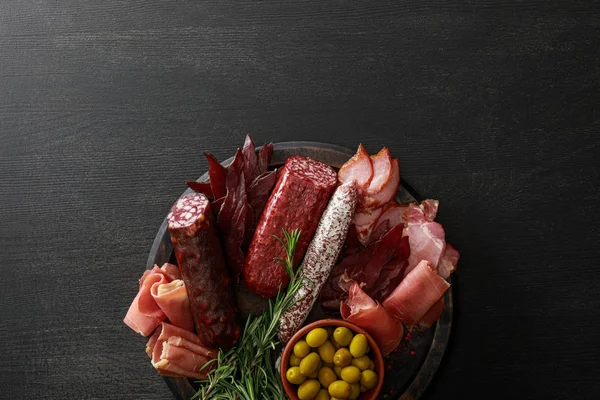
(408,369)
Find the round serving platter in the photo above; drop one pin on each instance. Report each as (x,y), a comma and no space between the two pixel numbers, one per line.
(409,369)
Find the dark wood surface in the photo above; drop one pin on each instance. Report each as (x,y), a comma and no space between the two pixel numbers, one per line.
(105,107)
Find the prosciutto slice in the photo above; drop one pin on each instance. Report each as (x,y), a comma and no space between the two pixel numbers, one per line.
(427,238)
(177,352)
(448,262)
(161,295)
(172,298)
(416,294)
(432,314)
(365,312)
(144,314)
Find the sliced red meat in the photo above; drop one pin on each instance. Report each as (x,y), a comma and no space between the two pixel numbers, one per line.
(264,158)
(362,310)
(250,161)
(217,174)
(298,200)
(359,168)
(201,187)
(365,267)
(416,294)
(390,276)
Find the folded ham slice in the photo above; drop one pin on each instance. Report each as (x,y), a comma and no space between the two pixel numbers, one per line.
(359,168)
(177,352)
(416,294)
(144,315)
(172,298)
(387,191)
(382,170)
(448,262)
(365,312)
(427,238)
(161,295)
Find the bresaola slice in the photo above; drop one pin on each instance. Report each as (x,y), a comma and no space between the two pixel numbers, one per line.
(420,290)
(362,310)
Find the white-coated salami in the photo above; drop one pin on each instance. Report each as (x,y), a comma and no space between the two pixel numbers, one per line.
(321,256)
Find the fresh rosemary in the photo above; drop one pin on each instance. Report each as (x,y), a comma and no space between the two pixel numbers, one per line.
(246,371)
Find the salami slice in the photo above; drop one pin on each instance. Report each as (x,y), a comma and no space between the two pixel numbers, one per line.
(202,265)
(321,256)
(299,198)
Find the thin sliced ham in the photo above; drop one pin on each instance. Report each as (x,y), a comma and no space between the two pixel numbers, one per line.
(365,312)
(448,262)
(427,238)
(172,298)
(177,352)
(388,191)
(382,170)
(432,314)
(144,315)
(416,294)
(359,168)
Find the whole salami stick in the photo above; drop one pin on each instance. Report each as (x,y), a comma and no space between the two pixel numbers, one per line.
(321,256)
(202,265)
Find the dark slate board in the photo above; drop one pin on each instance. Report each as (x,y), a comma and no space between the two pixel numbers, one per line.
(408,370)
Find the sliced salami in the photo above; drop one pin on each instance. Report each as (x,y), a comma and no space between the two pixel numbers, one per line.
(321,256)
(198,251)
(298,200)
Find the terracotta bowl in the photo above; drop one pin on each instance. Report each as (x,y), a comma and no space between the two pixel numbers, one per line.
(375,355)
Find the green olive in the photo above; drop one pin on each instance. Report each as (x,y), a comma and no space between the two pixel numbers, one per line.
(326,351)
(338,371)
(342,357)
(351,374)
(309,389)
(362,363)
(368,379)
(342,335)
(327,376)
(340,389)
(294,376)
(316,337)
(322,395)
(309,364)
(355,387)
(301,349)
(294,360)
(359,345)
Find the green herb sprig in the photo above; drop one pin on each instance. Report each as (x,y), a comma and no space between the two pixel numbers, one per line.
(246,371)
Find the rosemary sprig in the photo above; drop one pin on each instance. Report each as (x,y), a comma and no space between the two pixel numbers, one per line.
(246,371)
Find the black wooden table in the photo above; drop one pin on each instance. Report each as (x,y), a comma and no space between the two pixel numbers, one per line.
(106,106)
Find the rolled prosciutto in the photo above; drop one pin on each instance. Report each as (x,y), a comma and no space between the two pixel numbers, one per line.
(365,312)
(144,314)
(177,352)
(420,290)
(173,300)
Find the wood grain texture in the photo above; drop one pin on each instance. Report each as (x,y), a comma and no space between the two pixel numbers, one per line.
(106,106)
